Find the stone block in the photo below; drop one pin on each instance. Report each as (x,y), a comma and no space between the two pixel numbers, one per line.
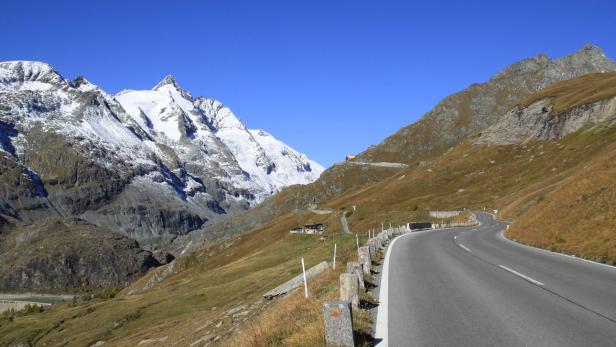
(338,323)
(364,259)
(349,288)
(354,267)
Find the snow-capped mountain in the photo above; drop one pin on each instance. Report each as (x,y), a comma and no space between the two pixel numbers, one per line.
(148,163)
(170,114)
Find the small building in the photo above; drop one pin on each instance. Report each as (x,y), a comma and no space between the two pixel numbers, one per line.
(309,229)
(349,157)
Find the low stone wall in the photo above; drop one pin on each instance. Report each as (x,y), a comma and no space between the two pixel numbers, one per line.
(296,281)
(444,214)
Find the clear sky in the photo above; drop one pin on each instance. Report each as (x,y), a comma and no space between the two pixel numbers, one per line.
(327,77)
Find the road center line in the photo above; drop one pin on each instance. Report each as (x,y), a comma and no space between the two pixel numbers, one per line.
(465,248)
(521,275)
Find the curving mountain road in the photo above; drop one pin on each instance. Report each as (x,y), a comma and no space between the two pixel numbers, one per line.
(472,287)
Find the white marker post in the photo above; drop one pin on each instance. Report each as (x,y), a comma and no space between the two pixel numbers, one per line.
(334,257)
(305,282)
(357,242)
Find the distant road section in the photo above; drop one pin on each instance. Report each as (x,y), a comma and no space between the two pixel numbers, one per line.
(473,287)
(379,164)
(18,301)
(17,305)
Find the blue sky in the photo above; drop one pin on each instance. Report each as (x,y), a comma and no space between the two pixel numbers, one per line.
(327,77)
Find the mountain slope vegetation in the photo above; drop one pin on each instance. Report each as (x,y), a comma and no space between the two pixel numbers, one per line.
(558,190)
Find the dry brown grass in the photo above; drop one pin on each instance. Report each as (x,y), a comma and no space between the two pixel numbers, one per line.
(578,91)
(190,304)
(556,191)
(293,320)
(578,216)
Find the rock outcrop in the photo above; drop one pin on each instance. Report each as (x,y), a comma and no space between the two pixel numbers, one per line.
(557,111)
(540,122)
(470,111)
(58,254)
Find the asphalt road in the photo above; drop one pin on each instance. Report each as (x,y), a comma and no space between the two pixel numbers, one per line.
(472,287)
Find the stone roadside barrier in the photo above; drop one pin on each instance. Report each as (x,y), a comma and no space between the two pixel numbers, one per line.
(349,289)
(338,323)
(338,314)
(364,259)
(354,267)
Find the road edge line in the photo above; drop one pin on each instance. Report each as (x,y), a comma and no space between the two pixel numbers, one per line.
(382,315)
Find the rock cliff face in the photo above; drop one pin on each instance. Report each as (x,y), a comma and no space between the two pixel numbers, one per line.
(57,254)
(149,165)
(557,111)
(470,111)
(540,122)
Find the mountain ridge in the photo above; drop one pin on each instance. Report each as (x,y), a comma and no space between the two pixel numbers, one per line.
(464,113)
(149,165)
(456,117)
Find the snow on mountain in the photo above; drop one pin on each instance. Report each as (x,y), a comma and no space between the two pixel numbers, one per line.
(29,75)
(170,113)
(147,163)
(291,165)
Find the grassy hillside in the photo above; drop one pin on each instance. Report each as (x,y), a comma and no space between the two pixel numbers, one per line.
(473,109)
(578,216)
(338,179)
(577,91)
(192,303)
(561,195)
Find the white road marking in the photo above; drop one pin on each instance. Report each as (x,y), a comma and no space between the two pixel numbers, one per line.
(521,275)
(465,248)
(455,237)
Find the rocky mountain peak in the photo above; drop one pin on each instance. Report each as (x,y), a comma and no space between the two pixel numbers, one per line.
(591,50)
(30,73)
(523,67)
(170,84)
(169,80)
